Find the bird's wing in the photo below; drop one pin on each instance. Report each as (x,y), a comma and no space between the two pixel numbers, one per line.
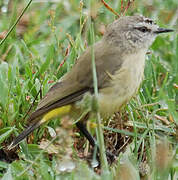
(79,80)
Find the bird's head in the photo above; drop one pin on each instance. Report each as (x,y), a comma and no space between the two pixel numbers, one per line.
(133,32)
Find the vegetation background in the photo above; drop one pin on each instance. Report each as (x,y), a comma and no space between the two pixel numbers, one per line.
(42,48)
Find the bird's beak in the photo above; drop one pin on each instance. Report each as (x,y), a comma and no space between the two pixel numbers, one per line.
(163,30)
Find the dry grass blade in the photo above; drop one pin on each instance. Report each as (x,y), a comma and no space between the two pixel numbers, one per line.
(127,7)
(123,9)
(65,57)
(110,9)
(163,119)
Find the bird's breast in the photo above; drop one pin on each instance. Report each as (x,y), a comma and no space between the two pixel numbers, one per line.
(123,84)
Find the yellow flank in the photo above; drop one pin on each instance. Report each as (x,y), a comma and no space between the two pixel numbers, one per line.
(56,113)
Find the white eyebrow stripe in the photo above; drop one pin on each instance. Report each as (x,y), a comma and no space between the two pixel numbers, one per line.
(149,26)
(149,21)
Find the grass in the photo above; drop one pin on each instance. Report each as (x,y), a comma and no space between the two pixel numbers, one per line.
(30,61)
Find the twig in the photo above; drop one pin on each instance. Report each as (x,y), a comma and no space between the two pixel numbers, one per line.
(163,119)
(123,9)
(151,104)
(13,26)
(126,8)
(122,6)
(111,9)
(128,5)
(119,150)
(32,104)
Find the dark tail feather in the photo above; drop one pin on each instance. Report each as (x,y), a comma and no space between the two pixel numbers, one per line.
(23,135)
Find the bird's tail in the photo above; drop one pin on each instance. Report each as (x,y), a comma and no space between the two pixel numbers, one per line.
(24,134)
(36,122)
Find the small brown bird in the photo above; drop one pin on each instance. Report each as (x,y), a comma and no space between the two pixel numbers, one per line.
(119,58)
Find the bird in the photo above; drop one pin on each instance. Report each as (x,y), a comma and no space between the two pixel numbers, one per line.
(119,60)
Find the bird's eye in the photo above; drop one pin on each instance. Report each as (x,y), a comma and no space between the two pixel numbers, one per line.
(143,29)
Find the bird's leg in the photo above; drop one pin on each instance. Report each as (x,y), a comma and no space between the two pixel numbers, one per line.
(85,132)
(92,141)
